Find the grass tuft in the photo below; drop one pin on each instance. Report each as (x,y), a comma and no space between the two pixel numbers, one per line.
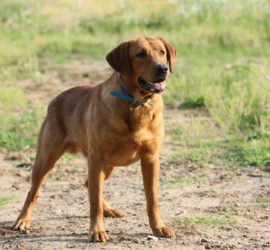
(173,183)
(211,221)
(6,199)
(263,201)
(20,119)
(192,103)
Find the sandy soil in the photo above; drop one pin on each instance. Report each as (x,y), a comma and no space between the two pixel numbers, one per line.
(60,218)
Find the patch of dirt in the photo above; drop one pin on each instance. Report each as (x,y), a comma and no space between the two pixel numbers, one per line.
(61,216)
(54,80)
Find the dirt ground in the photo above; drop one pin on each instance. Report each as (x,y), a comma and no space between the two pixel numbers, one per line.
(60,219)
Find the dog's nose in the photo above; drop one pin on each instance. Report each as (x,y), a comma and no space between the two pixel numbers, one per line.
(161,69)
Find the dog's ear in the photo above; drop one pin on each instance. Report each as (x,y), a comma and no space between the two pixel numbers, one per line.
(171,53)
(118,58)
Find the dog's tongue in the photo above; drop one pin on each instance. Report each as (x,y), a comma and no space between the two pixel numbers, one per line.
(160,86)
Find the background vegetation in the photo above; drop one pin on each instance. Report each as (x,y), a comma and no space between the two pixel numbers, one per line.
(222,71)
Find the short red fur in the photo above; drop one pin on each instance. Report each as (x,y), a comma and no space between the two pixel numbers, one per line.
(109,131)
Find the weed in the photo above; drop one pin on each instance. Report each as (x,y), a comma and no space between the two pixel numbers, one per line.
(173,183)
(15,142)
(228,211)
(19,132)
(185,180)
(66,158)
(198,140)
(192,103)
(212,191)
(6,199)
(11,98)
(212,221)
(239,105)
(247,153)
(263,201)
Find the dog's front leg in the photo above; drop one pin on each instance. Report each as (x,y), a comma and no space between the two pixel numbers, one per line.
(96,176)
(150,170)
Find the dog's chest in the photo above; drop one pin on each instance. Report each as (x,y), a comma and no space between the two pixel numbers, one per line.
(129,149)
(122,140)
(140,135)
(140,119)
(144,135)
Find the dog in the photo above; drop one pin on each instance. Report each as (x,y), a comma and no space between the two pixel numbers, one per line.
(115,123)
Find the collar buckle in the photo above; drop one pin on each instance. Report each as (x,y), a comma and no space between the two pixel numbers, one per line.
(138,103)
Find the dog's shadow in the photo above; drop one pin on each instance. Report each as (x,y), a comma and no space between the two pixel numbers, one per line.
(36,235)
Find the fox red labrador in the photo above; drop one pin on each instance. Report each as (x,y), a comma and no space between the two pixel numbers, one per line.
(115,123)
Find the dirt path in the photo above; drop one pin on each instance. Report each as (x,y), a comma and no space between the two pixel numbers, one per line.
(213,208)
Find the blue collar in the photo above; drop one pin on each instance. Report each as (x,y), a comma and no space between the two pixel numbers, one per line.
(125,95)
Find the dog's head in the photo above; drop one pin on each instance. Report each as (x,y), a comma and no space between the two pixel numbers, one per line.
(145,62)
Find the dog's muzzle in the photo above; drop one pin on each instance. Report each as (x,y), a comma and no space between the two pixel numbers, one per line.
(157,86)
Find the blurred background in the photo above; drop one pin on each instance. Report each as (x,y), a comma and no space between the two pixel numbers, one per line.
(220,88)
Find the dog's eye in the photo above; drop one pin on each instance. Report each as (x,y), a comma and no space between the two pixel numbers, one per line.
(162,52)
(141,54)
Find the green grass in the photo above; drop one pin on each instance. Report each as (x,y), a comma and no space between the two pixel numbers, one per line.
(192,103)
(173,183)
(6,199)
(11,98)
(210,221)
(197,140)
(231,153)
(65,158)
(200,141)
(263,201)
(20,120)
(223,66)
(249,153)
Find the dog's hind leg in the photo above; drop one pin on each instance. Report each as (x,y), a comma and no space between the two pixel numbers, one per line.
(49,150)
(108,210)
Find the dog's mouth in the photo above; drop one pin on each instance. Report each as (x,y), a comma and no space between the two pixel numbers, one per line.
(157,86)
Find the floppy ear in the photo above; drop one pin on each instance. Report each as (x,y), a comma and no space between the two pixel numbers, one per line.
(171,53)
(118,58)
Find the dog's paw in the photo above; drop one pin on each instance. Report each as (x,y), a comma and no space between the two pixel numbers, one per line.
(163,232)
(113,213)
(21,224)
(98,236)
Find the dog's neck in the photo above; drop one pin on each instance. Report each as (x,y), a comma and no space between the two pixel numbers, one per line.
(153,100)
(125,95)
(133,116)
(133,89)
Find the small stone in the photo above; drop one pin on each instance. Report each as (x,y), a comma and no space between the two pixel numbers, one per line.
(184,211)
(16,186)
(208,246)
(122,238)
(58,211)
(204,241)
(151,237)
(137,240)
